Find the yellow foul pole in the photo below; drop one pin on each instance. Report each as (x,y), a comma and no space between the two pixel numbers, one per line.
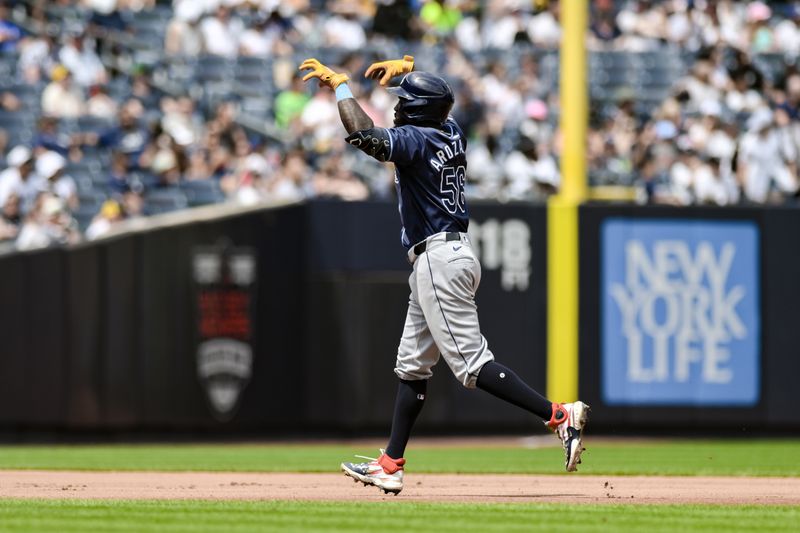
(562,209)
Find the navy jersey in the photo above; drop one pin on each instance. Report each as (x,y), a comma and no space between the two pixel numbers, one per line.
(430,170)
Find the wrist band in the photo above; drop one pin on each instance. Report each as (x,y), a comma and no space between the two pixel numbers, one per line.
(343,92)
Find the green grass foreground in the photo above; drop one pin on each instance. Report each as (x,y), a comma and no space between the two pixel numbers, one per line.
(683,457)
(177,516)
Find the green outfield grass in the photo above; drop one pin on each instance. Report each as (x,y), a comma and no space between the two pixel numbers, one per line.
(683,457)
(177,516)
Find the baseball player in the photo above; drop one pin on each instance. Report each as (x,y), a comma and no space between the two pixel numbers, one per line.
(427,148)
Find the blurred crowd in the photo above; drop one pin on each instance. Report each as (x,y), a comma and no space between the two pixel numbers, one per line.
(91,134)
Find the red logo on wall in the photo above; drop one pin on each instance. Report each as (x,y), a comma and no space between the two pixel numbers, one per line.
(225,280)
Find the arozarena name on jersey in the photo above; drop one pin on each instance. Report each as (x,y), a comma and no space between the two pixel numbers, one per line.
(443,156)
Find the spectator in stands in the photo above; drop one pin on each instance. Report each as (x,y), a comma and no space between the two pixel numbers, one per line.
(269,35)
(181,121)
(290,103)
(10,33)
(36,58)
(532,171)
(494,26)
(10,217)
(223,130)
(48,138)
(642,23)
(19,179)
(198,167)
(393,19)
(141,87)
(250,186)
(183,36)
(292,182)
(133,204)
(221,163)
(164,158)
(221,32)
(544,28)
(333,180)
(343,29)
(319,121)
(47,224)
(119,181)
(50,169)
(110,214)
(765,166)
(758,33)
(61,98)
(604,29)
(129,136)
(787,32)
(81,60)
(100,104)
(485,176)
(440,17)
(712,185)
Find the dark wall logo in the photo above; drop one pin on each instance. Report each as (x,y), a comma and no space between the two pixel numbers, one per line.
(225,280)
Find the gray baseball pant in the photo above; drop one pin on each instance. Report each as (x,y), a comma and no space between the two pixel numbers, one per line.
(442,316)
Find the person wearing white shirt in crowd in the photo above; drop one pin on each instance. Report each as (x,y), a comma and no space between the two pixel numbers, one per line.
(711,186)
(787,32)
(47,224)
(763,159)
(319,120)
(544,28)
(221,32)
(110,214)
(531,171)
(183,36)
(50,168)
(100,104)
(259,39)
(344,30)
(82,61)
(61,98)
(19,178)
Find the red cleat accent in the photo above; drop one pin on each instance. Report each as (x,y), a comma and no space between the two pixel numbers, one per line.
(554,421)
(390,466)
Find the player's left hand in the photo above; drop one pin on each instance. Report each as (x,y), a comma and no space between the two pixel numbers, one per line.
(325,75)
(386,70)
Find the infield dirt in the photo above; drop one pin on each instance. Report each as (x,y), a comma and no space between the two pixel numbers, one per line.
(419,487)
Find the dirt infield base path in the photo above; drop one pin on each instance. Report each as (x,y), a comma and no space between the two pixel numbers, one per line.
(419,487)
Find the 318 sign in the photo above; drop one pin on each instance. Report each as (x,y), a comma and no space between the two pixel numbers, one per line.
(504,245)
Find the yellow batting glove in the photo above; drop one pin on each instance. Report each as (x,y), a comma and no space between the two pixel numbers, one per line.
(325,75)
(386,70)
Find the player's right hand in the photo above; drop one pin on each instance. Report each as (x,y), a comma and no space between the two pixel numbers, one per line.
(325,75)
(386,70)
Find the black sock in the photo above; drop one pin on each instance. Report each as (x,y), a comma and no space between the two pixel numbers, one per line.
(407,405)
(506,385)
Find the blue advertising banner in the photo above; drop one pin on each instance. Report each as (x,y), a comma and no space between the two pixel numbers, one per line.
(680,312)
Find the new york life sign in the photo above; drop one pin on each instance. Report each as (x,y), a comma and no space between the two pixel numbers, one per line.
(680,312)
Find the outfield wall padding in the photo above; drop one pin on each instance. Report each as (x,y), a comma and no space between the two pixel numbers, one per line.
(285,321)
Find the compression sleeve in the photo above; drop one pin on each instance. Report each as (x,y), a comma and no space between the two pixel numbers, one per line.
(374,142)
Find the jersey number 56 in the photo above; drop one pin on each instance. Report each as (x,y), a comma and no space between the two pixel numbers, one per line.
(452,188)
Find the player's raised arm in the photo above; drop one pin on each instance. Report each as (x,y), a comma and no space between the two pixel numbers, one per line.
(384,71)
(353,117)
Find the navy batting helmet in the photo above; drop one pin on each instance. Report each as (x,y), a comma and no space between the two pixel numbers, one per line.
(425,100)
